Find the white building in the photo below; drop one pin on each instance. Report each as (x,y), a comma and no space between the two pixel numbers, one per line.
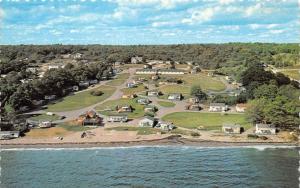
(165,126)
(265,129)
(218,107)
(147,122)
(117,118)
(4,135)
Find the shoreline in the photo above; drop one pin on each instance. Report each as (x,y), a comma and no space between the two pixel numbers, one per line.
(168,141)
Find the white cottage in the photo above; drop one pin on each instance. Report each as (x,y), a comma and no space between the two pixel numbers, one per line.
(265,129)
(147,122)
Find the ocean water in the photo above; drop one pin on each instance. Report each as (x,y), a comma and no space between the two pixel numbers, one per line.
(139,167)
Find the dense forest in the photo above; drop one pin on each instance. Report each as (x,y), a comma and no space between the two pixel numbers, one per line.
(212,56)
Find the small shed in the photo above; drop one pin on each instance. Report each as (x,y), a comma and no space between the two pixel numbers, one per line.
(175,96)
(218,107)
(147,122)
(232,129)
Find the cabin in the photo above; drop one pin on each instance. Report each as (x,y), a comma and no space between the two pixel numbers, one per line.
(165,126)
(147,122)
(117,118)
(125,108)
(90,118)
(152,93)
(232,129)
(132,96)
(5,135)
(175,96)
(143,101)
(45,124)
(194,107)
(265,129)
(50,97)
(241,107)
(218,107)
(150,108)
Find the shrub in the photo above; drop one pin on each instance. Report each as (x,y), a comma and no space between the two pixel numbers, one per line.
(254,136)
(96,93)
(194,134)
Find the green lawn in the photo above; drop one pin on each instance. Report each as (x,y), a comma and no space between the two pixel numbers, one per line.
(81,100)
(44,117)
(292,73)
(140,130)
(138,108)
(119,80)
(166,104)
(166,89)
(130,91)
(73,128)
(209,121)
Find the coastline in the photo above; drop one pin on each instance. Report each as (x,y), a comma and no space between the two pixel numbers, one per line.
(168,141)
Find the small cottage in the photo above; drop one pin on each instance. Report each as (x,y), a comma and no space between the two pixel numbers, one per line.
(143,101)
(218,107)
(117,118)
(45,124)
(265,129)
(150,108)
(241,107)
(232,129)
(147,122)
(125,108)
(132,96)
(5,135)
(175,96)
(90,118)
(195,107)
(165,126)
(194,100)
(153,93)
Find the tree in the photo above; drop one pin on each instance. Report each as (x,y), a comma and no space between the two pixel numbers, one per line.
(266,91)
(197,92)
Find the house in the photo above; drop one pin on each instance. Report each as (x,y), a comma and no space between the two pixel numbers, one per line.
(5,135)
(150,108)
(195,107)
(125,108)
(136,59)
(131,85)
(218,107)
(45,124)
(232,129)
(84,84)
(194,100)
(50,97)
(165,126)
(265,129)
(90,118)
(241,107)
(93,81)
(117,118)
(147,122)
(143,101)
(175,96)
(152,93)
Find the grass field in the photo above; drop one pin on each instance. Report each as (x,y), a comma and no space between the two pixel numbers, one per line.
(49,132)
(81,100)
(119,80)
(44,117)
(292,73)
(129,91)
(166,104)
(140,130)
(138,109)
(167,89)
(208,121)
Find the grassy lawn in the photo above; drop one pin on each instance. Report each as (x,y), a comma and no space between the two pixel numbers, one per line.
(209,121)
(119,80)
(166,104)
(138,108)
(140,130)
(73,127)
(49,132)
(81,100)
(129,91)
(292,73)
(166,89)
(44,117)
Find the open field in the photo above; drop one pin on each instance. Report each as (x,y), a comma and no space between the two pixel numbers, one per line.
(140,130)
(206,82)
(295,74)
(119,80)
(138,108)
(209,121)
(72,127)
(166,104)
(167,89)
(44,117)
(129,91)
(81,100)
(49,132)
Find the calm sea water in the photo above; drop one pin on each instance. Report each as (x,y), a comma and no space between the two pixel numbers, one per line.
(173,166)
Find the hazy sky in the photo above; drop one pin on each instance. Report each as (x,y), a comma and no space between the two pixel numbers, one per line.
(147,21)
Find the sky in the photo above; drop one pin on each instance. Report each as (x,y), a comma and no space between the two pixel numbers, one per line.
(128,22)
